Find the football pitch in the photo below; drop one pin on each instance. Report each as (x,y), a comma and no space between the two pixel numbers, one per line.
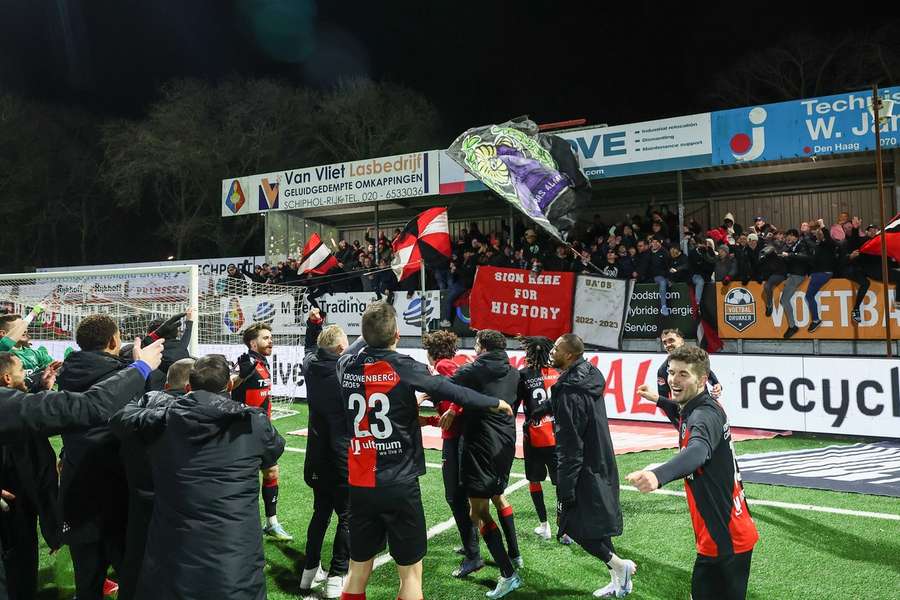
(813,544)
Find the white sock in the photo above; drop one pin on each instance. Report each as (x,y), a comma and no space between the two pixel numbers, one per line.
(616,563)
(272,521)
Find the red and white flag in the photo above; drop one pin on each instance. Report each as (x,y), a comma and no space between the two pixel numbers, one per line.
(317,258)
(891,238)
(425,238)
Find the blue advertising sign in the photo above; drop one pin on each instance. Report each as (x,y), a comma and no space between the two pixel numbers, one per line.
(836,124)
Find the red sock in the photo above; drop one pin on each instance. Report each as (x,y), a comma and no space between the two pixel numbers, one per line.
(349,596)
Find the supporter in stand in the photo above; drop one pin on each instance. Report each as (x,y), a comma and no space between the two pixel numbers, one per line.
(822,266)
(702,259)
(796,255)
(680,266)
(725,269)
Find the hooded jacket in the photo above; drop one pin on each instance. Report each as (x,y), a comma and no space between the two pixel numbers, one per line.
(49,413)
(588,479)
(140,490)
(93,489)
(329,436)
(492,375)
(489,438)
(206,451)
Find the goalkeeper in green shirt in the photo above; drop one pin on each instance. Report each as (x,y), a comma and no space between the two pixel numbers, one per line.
(14,332)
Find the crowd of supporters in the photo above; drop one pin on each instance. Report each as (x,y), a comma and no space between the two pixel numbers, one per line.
(646,248)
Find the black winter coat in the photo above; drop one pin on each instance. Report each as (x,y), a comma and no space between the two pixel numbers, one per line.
(329,435)
(50,413)
(487,435)
(91,459)
(588,479)
(682,267)
(204,539)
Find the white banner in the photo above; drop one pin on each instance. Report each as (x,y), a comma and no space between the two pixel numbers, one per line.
(598,316)
(845,396)
(385,178)
(344,309)
(153,285)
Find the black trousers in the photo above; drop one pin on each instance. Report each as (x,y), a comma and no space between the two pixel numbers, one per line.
(456,497)
(140,511)
(20,552)
(328,500)
(91,561)
(601,548)
(723,578)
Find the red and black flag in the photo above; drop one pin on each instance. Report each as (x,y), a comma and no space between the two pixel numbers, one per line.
(425,238)
(892,241)
(317,258)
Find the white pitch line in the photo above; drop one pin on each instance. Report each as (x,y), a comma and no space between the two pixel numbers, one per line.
(751,501)
(776,504)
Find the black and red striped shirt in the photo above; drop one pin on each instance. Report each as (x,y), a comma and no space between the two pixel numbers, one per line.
(379,388)
(256,389)
(715,494)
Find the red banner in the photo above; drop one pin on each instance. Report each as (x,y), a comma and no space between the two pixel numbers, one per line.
(516,301)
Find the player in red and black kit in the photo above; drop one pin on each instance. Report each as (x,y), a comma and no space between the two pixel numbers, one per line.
(386,458)
(253,387)
(442,347)
(723,527)
(672,339)
(535,380)
(488,450)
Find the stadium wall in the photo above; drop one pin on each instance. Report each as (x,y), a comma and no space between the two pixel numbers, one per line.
(843,396)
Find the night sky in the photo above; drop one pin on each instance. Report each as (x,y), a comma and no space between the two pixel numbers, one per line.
(478,62)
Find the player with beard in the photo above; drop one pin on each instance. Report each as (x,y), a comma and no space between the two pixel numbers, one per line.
(672,339)
(539,442)
(587,489)
(253,387)
(385,456)
(488,450)
(724,530)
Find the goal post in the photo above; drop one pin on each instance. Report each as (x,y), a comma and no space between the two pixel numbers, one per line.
(223,308)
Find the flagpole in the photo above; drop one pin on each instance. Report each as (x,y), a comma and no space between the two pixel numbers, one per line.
(422,299)
(876,106)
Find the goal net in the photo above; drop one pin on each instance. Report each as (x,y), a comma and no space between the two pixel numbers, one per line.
(223,307)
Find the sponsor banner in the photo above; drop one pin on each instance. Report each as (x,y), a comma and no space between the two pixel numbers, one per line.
(516,301)
(155,285)
(598,316)
(742,312)
(286,362)
(845,396)
(286,313)
(373,179)
(836,124)
(656,146)
(644,319)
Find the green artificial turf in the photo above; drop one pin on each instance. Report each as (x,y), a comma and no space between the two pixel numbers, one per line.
(801,554)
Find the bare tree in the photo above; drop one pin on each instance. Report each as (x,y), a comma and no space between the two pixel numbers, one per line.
(806,66)
(362,119)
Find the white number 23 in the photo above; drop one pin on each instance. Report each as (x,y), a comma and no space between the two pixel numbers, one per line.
(379,425)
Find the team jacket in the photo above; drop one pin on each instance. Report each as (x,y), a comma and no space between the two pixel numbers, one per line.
(378,388)
(534,392)
(715,494)
(256,389)
(662,380)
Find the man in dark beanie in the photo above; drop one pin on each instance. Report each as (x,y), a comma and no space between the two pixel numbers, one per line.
(587,478)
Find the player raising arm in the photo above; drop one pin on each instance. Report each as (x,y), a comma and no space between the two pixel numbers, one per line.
(723,528)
